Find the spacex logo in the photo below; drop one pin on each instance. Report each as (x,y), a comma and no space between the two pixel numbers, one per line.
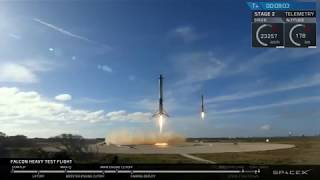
(291,172)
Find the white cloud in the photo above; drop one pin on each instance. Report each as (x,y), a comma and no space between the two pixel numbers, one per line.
(63,97)
(202,65)
(132,77)
(24,71)
(265,127)
(303,100)
(38,65)
(122,115)
(187,33)
(87,100)
(29,107)
(231,66)
(296,84)
(185,90)
(14,36)
(10,72)
(272,56)
(147,104)
(198,66)
(105,68)
(170,103)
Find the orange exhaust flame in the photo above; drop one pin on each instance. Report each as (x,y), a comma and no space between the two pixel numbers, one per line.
(161,144)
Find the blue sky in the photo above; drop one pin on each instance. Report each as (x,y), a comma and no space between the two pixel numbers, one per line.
(91,68)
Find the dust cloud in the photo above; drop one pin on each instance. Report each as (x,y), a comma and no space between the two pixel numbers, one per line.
(126,137)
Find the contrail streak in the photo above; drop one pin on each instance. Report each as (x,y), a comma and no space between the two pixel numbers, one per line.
(63,31)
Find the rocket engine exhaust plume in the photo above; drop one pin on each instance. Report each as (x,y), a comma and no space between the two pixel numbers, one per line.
(161,121)
(125,137)
(202,115)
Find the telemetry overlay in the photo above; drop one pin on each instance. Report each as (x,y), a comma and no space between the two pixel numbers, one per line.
(283,24)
